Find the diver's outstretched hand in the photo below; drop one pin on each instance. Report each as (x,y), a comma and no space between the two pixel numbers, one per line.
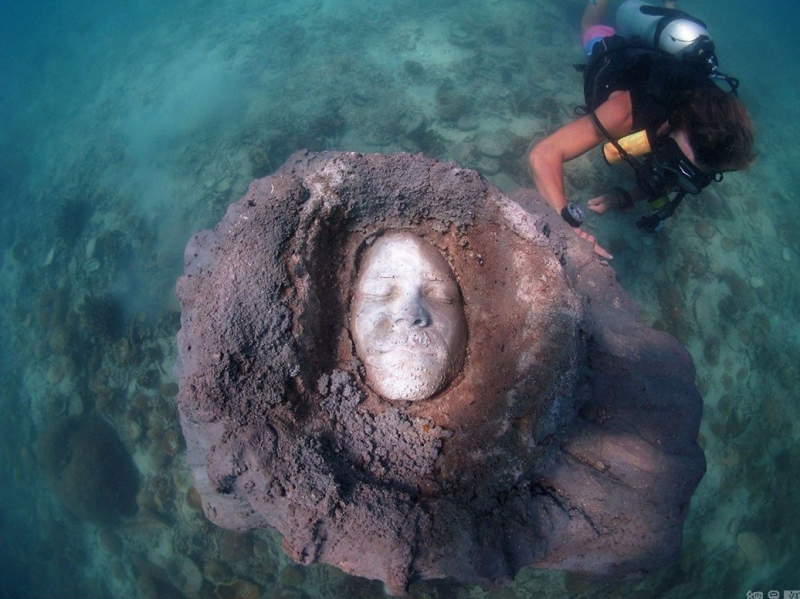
(591,239)
(602,204)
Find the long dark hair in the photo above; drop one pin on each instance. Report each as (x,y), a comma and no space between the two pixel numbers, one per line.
(719,127)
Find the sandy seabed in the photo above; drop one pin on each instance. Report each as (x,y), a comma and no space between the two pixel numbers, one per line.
(128,128)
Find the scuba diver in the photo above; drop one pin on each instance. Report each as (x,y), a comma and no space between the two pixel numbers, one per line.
(653,93)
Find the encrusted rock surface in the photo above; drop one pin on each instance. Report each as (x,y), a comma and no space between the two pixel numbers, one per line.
(567,441)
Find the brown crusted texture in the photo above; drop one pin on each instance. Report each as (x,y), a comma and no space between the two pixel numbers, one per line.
(568,440)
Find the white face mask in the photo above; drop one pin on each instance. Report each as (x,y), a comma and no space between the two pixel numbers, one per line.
(407,319)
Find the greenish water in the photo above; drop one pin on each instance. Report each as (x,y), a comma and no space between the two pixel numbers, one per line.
(127,126)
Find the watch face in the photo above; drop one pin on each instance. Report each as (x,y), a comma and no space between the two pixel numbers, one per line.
(573,214)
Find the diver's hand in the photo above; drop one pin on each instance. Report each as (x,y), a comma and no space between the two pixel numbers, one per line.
(602,204)
(591,239)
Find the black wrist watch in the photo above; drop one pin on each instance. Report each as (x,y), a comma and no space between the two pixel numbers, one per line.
(573,215)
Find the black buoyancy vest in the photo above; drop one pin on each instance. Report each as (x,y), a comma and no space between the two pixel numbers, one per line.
(653,78)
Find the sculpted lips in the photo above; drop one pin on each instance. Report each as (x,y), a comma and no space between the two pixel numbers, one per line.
(413,341)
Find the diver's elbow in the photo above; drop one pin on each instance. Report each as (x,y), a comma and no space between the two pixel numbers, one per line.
(540,158)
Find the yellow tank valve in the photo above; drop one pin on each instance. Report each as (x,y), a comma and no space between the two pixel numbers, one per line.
(635,144)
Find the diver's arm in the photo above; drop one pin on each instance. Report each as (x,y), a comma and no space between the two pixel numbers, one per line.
(548,156)
(578,137)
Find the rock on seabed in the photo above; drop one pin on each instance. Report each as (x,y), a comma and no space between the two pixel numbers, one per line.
(568,441)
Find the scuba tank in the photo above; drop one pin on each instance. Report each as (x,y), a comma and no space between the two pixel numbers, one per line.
(667,29)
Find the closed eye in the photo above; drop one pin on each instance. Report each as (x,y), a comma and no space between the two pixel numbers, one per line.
(443,294)
(379,292)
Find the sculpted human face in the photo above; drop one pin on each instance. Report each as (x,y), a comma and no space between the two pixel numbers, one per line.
(407,319)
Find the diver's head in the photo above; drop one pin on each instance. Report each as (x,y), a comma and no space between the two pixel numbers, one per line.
(718,127)
(709,132)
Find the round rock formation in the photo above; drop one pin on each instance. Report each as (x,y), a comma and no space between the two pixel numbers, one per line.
(564,434)
(89,469)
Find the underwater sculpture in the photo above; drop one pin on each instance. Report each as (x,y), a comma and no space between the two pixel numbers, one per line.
(407,318)
(563,436)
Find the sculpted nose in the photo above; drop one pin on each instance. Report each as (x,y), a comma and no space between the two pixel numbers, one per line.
(412,313)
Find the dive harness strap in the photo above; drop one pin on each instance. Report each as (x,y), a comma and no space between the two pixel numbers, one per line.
(635,164)
(654,222)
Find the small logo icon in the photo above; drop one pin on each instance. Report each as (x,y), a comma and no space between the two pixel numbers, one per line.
(774,595)
(791,594)
(755,595)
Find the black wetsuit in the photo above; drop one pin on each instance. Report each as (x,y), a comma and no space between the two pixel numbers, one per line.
(653,78)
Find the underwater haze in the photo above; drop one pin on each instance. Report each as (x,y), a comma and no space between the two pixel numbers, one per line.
(126,126)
